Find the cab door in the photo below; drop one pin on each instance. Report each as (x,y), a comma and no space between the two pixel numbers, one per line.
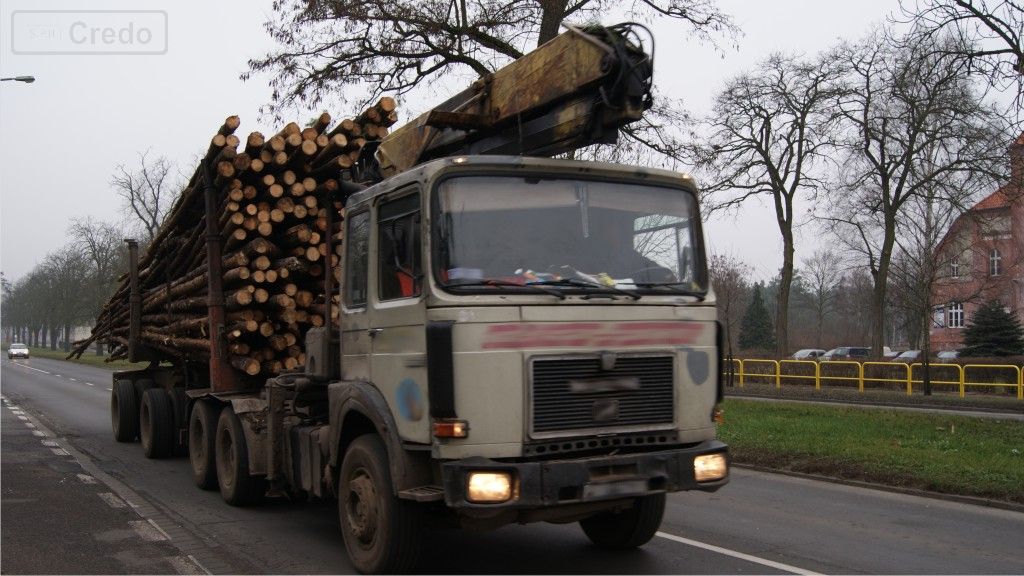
(397,312)
(355,339)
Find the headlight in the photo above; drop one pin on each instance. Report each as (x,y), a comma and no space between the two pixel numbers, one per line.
(489,487)
(710,467)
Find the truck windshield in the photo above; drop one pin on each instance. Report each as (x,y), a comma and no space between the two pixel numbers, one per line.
(513,234)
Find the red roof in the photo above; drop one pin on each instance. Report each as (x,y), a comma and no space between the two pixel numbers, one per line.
(997,199)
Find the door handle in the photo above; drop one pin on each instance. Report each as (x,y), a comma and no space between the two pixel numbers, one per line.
(373,332)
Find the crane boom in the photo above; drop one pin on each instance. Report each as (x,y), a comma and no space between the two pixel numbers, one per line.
(575,90)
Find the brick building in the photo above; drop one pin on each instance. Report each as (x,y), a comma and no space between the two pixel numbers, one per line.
(983,259)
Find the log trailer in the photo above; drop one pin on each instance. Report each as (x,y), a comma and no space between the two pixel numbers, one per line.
(520,338)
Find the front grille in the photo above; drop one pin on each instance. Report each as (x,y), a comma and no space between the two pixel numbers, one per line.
(557,407)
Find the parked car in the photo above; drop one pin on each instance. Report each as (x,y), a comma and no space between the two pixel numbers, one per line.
(17,350)
(847,353)
(889,352)
(807,354)
(909,356)
(948,355)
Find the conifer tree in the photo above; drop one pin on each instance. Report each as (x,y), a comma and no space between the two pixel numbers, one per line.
(756,331)
(993,332)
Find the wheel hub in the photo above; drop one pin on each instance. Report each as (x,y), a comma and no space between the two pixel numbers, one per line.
(362,508)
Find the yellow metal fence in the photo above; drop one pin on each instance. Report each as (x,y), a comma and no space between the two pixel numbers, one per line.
(961,377)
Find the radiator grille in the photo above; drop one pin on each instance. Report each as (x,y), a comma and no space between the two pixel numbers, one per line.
(556,407)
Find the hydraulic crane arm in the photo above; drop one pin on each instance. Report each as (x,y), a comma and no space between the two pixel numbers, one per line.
(576,90)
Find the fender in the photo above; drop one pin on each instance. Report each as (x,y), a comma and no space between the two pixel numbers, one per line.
(364,398)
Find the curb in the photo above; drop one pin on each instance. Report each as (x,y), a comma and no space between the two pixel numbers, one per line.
(961,410)
(961,499)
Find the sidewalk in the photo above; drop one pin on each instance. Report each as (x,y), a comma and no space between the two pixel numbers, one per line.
(59,520)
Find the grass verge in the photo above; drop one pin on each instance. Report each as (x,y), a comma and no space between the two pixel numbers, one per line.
(937,452)
(89,358)
(940,399)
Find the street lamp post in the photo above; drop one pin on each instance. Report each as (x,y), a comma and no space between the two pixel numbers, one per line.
(25,79)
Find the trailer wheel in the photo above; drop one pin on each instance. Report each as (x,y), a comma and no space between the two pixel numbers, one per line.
(202,432)
(156,423)
(381,532)
(124,411)
(628,529)
(237,486)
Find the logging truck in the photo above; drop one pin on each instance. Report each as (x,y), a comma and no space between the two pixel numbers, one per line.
(506,337)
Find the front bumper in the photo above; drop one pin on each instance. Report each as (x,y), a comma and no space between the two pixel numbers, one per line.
(17,355)
(586,479)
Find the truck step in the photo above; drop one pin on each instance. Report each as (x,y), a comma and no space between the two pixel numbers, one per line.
(423,494)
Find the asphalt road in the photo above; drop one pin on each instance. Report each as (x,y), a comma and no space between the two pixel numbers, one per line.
(759,523)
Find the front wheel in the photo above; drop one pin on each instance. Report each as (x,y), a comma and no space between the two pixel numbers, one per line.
(630,528)
(381,532)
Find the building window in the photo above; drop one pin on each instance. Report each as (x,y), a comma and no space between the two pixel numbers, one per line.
(995,261)
(954,267)
(955,315)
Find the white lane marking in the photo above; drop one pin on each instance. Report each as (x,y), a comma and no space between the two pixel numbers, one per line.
(31,368)
(147,530)
(110,389)
(38,433)
(50,444)
(72,379)
(740,555)
(30,425)
(111,500)
(60,452)
(86,479)
(23,418)
(17,411)
(89,384)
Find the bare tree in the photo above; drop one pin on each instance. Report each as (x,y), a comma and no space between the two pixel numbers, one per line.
(103,247)
(730,278)
(361,49)
(146,192)
(823,273)
(990,35)
(770,134)
(912,120)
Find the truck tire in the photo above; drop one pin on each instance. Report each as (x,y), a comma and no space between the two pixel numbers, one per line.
(179,401)
(237,486)
(156,423)
(202,431)
(381,532)
(628,529)
(124,411)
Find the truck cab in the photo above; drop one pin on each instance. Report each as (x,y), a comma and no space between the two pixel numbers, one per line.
(542,340)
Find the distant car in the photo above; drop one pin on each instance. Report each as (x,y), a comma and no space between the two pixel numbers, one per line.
(17,350)
(889,352)
(948,355)
(847,353)
(807,354)
(909,356)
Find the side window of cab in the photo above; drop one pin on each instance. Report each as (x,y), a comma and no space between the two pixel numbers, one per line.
(399,247)
(357,251)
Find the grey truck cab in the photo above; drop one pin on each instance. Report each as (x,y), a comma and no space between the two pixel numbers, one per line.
(532,339)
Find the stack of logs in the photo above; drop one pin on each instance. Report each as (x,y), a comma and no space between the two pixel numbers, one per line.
(273,222)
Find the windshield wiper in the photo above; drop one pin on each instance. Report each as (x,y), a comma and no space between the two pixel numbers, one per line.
(495,283)
(577,283)
(698,295)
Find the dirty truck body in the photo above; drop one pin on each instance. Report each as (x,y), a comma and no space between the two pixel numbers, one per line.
(519,339)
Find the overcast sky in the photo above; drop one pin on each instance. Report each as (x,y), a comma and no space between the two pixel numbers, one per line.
(62,137)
